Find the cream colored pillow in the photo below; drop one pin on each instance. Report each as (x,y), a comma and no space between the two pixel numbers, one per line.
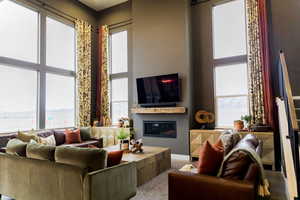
(16,147)
(50,140)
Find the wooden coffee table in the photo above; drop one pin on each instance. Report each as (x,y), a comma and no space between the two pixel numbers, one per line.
(152,162)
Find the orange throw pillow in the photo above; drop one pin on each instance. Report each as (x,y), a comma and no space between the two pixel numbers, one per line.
(114,158)
(210,159)
(72,136)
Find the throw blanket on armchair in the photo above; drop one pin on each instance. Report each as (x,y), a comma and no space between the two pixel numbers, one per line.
(263,189)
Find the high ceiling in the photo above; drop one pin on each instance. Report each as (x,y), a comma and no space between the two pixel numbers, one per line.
(101,4)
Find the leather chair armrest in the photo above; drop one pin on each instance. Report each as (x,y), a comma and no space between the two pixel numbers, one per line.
(195,186)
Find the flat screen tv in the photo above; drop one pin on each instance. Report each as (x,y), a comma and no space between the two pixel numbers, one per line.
(161,90)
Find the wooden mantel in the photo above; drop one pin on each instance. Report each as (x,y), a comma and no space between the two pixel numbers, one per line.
(159,110)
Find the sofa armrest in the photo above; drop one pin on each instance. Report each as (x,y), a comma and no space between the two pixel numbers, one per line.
(100,141)
(184,185)
(114,183)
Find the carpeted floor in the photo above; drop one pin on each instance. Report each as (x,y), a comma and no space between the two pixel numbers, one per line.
(157,188)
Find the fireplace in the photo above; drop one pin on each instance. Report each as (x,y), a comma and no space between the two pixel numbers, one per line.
(162,129)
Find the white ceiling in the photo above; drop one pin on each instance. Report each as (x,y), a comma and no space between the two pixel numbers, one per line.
(101,4)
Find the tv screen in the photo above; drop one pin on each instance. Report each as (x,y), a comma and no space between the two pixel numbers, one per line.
(158,89)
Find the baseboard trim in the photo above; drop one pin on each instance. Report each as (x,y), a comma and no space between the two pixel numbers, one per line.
(180,157)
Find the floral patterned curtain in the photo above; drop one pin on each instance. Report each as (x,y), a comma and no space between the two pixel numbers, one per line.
(83,33)
(103,102)
(256,82)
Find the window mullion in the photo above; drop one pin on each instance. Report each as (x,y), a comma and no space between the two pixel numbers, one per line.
(42,74)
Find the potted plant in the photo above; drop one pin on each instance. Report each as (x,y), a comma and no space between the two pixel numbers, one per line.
(247,120)
(123,137)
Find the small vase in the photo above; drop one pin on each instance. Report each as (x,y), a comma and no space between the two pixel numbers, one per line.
(238,125)
(125,145)
(121,142)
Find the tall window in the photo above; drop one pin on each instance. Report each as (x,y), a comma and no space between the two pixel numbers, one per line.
(37,69)
(230,62)
(119,75)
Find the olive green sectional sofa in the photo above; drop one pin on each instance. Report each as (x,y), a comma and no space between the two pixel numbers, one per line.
(24,178)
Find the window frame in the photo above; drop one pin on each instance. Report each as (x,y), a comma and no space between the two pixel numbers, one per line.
(41,66)
(227,61)
(118,75)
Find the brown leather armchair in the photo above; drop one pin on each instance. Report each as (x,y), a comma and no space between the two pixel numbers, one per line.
(190,186)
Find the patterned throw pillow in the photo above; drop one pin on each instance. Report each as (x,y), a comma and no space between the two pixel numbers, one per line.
(50,141)
(26,137)
(229,140)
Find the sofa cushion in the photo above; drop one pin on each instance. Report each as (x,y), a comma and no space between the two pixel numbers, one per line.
(16,147)
(85,133)
(83,144)
(90,159)
(48,140)
(114,158)
(73,136)
(236,166)
(26,137)
(4,138)
(44,133)
(60,137)
(40,151)
(210,159)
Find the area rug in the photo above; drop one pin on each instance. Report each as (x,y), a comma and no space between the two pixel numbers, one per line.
(157,188)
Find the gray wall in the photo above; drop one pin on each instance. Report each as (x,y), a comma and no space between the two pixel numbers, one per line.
(285,35)
(116,14)
(202,57)
(161,45)
(160,42)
